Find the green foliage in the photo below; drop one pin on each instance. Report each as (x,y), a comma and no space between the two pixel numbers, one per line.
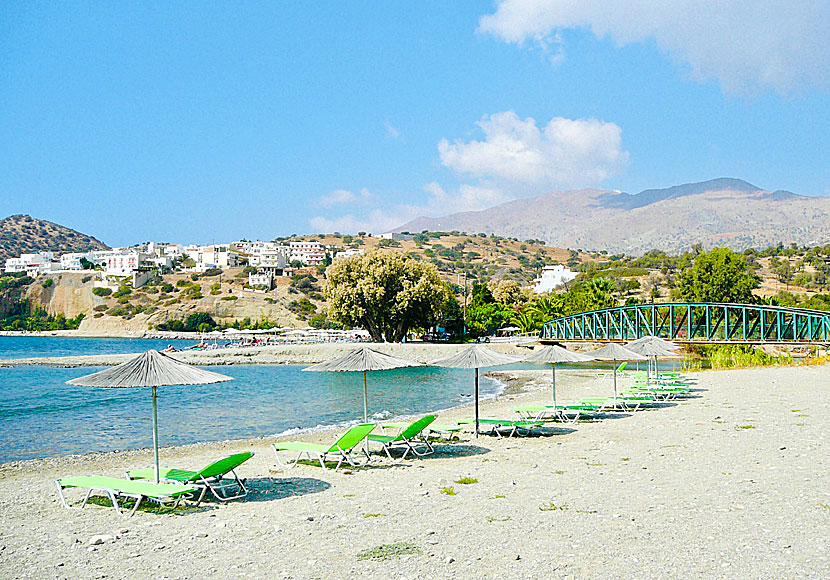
(229,298)
(102,291)
(448,490)
(196,322)
(484,319)
(48,283)
(389,551)
(122,291)
(385,293)
(211,272)
(21,316)
(552,507)
(718,276)
(302,307)
(16,280)
(466,480)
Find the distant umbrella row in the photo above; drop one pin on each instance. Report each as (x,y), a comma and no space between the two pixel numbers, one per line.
(154,369)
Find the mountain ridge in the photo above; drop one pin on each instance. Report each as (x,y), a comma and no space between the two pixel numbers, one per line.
(717,212)
(21,233)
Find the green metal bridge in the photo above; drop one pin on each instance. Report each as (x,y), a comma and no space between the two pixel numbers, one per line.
(694,322)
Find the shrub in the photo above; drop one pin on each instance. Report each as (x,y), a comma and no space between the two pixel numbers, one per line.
(102,291)
(229,298)
(122,291)
(47,283)
(100,308)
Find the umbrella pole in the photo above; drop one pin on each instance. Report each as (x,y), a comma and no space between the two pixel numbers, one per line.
(615,378)
(553,370)
(365,414)
(365,400)
(476,402)
(155,435)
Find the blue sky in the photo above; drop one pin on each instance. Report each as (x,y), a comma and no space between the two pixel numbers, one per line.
(200,123)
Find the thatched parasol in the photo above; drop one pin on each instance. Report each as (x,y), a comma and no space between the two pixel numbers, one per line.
(475,357)
(652,347)
(614,352)
(151,369)
(362,359)
(553,355)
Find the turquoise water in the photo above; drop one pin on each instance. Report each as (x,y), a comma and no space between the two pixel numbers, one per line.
(37,346)
(42,416)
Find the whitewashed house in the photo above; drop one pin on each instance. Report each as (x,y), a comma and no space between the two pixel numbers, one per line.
(552,277)
(307,253)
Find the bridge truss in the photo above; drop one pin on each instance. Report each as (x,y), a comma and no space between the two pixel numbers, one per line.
(694,322)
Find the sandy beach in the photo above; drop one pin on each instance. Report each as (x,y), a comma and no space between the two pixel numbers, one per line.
(734,483)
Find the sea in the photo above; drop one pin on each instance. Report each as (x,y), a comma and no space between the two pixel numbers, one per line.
(41,416)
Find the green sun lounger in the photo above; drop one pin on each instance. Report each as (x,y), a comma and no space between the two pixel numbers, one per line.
(513,427)
(564,413)
(408,438)
(341,450)
(165,494)
(615,403)
(451,429)
(213,478)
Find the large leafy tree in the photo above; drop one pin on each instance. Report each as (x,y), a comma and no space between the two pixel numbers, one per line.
(385,293)
(718,276)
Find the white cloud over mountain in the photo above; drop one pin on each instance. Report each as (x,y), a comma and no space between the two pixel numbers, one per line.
(516,152)
(516,157)
(746,46)
(344,197)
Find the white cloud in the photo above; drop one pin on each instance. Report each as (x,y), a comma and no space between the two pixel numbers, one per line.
(392,131)
(516,153)
(746,46)
(516,158)
(376,221)
(344,197)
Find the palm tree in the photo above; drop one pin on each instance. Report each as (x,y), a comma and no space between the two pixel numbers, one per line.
(525,320)
(548,307)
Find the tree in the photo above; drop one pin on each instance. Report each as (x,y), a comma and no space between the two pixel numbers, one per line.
(385,293)
(718,276)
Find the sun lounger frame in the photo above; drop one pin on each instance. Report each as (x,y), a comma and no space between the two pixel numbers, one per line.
(114,493)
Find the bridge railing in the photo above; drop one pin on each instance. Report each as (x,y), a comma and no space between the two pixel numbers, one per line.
(694,321)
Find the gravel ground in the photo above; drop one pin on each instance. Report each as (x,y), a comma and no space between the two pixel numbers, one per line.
(731,484)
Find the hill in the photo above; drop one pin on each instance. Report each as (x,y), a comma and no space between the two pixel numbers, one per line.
(720,212)
(22,233)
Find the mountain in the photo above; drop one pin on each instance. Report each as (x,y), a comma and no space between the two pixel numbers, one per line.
(21,233)
(720,212)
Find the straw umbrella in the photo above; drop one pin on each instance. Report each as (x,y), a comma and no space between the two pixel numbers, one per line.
(475,357)
(652,347)
(614,352)
(151,369)
(362,359)
(553,355)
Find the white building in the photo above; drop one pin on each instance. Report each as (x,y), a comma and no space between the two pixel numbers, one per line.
(32,264)
(72,260)
(348,253)
(125,262)
(552,276)
(264,278)
(307,253)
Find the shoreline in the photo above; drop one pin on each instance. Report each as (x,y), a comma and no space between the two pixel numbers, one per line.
(687,490)
(503,386)
(272,354)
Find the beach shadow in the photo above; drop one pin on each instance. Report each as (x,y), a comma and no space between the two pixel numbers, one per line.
(274,488)
(442,451)
(545,431)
